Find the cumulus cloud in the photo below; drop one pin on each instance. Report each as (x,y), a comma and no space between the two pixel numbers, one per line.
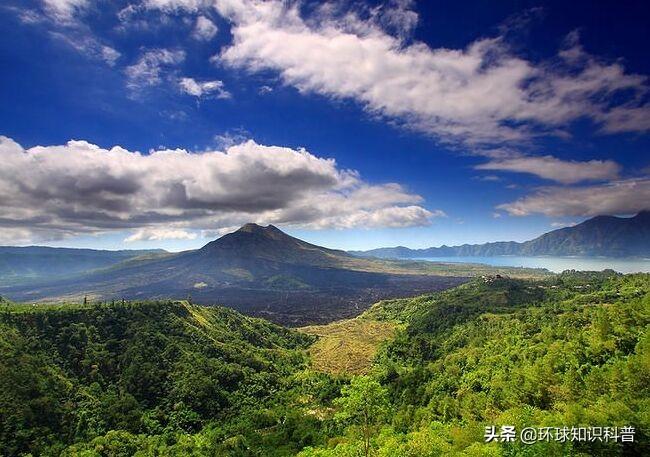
(483,93)
(57,191)
(204,29)
(394,217)
(160,233)
(203,88)
(552,168)
(627,196)
(148,69)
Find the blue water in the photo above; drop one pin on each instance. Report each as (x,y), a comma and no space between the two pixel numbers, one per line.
(555,264)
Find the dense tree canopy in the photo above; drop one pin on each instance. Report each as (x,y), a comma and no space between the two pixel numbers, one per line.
(154,379)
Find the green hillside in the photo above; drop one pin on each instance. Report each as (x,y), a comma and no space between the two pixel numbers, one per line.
(72,373)
(171,379)
(570,351)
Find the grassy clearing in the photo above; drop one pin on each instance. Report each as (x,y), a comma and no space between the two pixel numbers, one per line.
(349,346)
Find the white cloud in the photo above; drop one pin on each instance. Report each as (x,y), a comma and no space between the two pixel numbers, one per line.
(110,55)
(15,236)
(483,93)
(170,6)
(231,138)
(558,224)
(64,10)
(627,196)
(265,90)
(198,89)
(438,213)
(204,29)
(563,171)
(395,217)
(87,44)
(396,16)
(626,119)
(28,16)
(59,18)
(160,233)
(149,67)
(57,191)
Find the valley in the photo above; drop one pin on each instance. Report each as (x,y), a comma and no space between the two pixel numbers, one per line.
(296,228)
(172,378)
(260,271)
(147,354)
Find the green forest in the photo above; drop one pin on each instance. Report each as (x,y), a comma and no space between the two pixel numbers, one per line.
(177,379)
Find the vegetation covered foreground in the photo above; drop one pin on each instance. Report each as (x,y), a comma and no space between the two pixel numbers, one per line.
(159,379)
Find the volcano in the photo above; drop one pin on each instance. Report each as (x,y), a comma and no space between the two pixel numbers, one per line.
(257,269)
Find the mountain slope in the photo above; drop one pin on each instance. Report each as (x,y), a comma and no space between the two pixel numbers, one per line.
(22,263)
(70,373)
(571,350)
(607,236)
(602,235)
(260,270)
(173,379)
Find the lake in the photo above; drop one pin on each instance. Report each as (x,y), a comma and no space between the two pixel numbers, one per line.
(555,264)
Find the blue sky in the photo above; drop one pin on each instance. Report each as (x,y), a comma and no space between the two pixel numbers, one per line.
(165,123)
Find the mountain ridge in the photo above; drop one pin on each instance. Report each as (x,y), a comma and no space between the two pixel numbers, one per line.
(271,242)
(259,270)
(600,236)
(21,262)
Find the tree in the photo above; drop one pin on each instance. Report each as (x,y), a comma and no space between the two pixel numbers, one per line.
(363,402)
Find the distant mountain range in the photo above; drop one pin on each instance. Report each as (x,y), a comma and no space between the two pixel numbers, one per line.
(607,236)
(265,272)
(260,270)
(18,264)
